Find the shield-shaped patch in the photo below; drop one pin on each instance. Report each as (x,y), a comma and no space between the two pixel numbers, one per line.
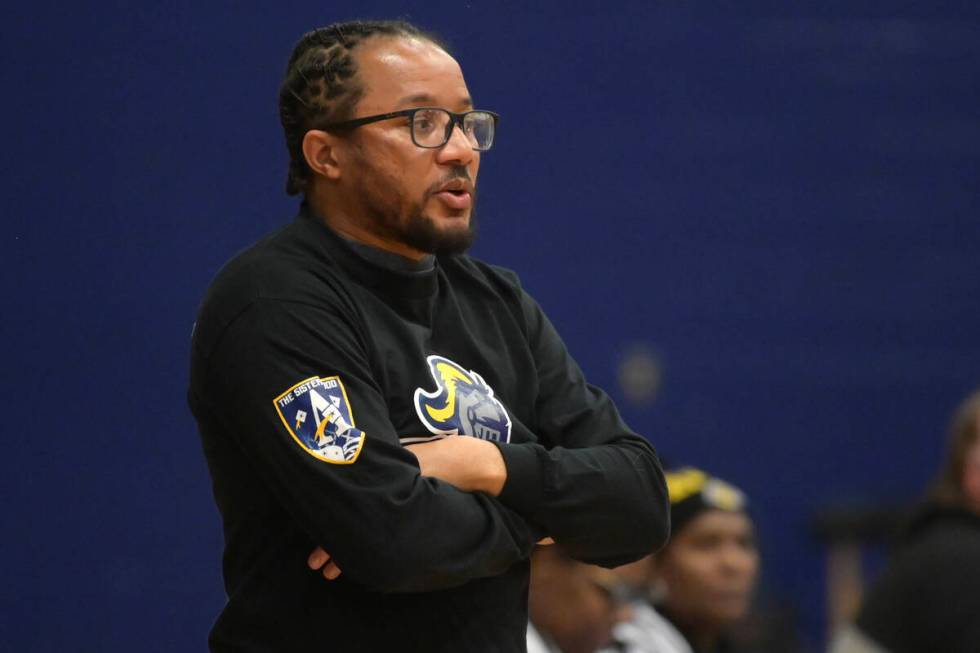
(317,415)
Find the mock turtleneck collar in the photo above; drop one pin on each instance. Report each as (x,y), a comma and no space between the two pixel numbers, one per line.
(375,255)
(389,260)
(397,277)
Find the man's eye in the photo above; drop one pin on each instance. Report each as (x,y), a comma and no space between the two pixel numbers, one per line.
(424,123)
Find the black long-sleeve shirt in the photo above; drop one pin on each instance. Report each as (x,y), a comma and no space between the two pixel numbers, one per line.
(312,366)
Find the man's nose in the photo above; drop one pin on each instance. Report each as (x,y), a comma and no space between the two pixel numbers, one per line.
(457,149)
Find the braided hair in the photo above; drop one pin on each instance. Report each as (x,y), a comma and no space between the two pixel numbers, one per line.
(321,83)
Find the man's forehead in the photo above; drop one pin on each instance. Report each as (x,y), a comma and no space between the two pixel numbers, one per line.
(404,72)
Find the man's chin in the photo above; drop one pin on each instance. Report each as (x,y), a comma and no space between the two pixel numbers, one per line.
(451,224)
(441,234)
(445,216)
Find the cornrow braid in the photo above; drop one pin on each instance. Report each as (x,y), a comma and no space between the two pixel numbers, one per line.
(321,83)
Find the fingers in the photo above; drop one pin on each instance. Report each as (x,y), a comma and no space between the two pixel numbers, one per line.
(545,541)
(320,559)
(331,571)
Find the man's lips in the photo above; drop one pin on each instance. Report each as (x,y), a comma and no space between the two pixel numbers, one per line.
(455,199)
(456,194)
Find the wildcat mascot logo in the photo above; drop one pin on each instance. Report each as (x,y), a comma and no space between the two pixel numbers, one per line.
(462,404)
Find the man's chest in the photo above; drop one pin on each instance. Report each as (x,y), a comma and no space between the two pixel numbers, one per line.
(465,371)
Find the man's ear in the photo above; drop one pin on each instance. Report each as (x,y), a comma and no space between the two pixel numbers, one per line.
(321,149)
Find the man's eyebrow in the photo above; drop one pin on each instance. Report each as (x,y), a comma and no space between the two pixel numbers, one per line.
(424,99)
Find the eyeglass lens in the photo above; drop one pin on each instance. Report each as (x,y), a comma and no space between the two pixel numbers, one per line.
(430,128)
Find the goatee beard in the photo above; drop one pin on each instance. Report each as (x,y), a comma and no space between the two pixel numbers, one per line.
(420,232)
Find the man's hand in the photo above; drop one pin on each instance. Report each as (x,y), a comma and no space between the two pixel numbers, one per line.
(470,464)
(320,560)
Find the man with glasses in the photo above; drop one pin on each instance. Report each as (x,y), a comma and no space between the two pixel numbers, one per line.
(337,362)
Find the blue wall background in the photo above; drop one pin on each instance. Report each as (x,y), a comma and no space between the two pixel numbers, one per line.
(780,200)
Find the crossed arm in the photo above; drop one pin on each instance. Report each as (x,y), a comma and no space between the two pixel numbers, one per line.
(469,464)
(585,480)
(588,481)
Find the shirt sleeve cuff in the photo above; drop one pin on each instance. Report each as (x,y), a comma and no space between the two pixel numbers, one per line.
(524,488)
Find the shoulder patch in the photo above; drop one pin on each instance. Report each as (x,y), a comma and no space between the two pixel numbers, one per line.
(461,404)
(318,416)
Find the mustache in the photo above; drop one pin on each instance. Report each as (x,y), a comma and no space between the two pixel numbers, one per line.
(457,173)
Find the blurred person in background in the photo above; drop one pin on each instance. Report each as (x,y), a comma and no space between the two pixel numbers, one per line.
(573,606)
(928,597)
(694,591)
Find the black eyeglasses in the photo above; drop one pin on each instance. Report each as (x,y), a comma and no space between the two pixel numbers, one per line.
(432,127)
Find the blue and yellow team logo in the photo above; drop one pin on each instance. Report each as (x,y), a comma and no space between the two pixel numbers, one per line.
(462,404)
(317,414)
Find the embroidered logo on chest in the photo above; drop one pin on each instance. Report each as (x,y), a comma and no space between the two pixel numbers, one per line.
(461,404)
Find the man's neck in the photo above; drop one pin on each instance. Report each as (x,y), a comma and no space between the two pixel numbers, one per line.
(351,228)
